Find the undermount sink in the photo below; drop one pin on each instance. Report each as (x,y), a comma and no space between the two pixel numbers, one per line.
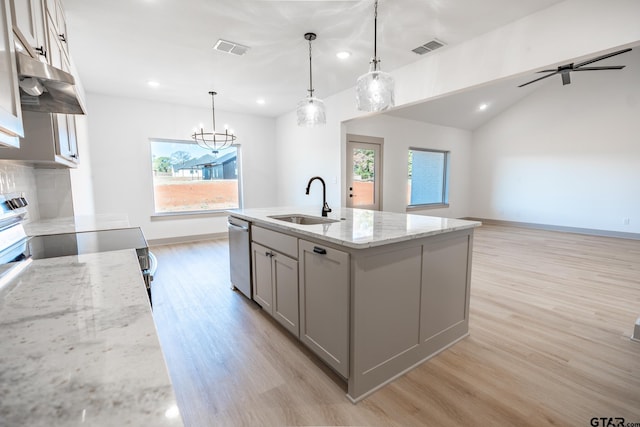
(303,219)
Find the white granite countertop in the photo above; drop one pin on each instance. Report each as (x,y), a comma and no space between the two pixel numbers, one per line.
(78,346)
(76,224)
(357,228)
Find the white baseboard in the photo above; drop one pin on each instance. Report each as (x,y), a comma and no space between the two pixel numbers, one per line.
(548,227)
(186,239)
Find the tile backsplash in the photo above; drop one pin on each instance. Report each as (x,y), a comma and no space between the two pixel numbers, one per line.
(20,180)
(54,193)
(47,190)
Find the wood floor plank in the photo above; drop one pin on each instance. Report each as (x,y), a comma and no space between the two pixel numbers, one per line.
(550,319)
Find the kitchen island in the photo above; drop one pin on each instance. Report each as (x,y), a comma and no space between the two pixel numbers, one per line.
(78,346)
(373,294)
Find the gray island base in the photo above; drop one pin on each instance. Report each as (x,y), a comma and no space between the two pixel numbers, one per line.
(373,294)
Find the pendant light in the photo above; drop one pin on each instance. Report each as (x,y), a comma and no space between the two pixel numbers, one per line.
(311,110)
(214,141)
(374,90)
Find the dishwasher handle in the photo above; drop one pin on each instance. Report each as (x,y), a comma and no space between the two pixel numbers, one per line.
(233,226)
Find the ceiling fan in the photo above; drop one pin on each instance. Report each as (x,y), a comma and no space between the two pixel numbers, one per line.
(564,70)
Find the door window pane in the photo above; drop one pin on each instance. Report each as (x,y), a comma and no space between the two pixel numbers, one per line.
(363,177)
(187,178)
(428,177)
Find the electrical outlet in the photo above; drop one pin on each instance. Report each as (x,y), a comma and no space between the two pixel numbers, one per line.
(626,221)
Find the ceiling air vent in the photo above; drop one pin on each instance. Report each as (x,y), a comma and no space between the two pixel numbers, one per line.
(428,47)
(231,47)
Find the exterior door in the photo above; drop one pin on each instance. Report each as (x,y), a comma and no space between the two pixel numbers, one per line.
(364,172)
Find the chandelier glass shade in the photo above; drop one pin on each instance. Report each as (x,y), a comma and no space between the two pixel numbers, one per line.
(311,110)
(213,141)
(375,89)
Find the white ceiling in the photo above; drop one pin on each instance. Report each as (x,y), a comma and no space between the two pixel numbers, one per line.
(120,45)
(461,110)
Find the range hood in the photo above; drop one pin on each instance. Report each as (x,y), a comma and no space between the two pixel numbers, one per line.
(46,89)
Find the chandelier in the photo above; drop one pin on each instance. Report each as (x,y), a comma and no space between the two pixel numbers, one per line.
(311,110)
(374,90)
(213,141)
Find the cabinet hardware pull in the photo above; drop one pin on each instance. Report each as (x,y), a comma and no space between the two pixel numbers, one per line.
(41,51)
(62,37)
(319,250)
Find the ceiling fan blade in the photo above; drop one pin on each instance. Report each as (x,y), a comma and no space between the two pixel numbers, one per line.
(548,71)
(613,67)
(544,77)
(566,79)
(600,58)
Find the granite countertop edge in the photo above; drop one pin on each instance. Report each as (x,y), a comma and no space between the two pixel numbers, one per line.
(376,228)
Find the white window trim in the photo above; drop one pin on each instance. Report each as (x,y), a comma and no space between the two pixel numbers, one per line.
(445,183)
(190,214)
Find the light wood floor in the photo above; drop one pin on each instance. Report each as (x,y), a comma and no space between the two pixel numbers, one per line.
(550,319)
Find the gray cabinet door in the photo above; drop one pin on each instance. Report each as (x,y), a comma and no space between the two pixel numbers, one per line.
(262,287)
(10,111)
(28,24)
(285,291)
(324,303)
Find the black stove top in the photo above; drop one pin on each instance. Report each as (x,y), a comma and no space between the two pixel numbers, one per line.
(57,245)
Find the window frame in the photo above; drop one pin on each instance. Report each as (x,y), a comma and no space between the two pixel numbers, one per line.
(444,203)
(210,212)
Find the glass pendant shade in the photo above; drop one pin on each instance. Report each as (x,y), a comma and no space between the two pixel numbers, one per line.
(311,112)
(375,90)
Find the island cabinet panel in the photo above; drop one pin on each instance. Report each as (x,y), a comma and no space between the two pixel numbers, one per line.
(445,290)
(282,243)
(285,292)
(262,287)
(275,277)
(324,303)
(386,314)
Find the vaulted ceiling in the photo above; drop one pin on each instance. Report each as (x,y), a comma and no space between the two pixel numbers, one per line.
(118,46)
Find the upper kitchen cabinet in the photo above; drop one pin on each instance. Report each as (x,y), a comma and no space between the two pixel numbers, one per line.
(42,90)
(57,24)
(28,18)
(49,141)
(11,128)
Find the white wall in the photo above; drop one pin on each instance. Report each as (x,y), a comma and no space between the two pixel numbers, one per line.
(81,178)
(400,134)
(304,153)
(570,29)
(565,155)
(119,132)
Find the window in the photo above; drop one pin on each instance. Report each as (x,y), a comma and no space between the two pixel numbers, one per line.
(187,178)
(428,182)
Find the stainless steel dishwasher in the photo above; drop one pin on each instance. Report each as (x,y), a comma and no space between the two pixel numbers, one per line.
(240,254)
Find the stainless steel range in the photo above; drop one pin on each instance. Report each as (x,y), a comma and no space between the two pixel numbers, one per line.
(17,249)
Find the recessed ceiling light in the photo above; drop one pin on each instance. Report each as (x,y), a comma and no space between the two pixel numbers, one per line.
(343,54)
(483,107)
(260,101)
(152,83)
